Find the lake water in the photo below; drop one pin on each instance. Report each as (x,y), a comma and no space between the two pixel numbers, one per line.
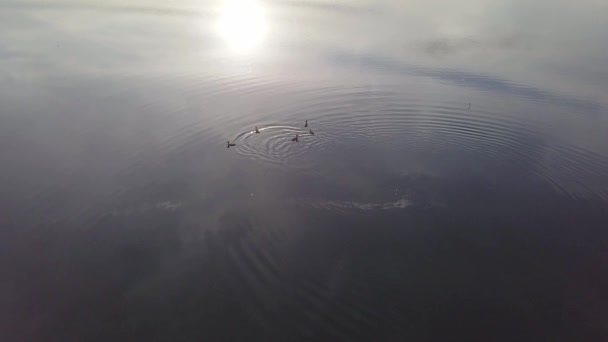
(455,187)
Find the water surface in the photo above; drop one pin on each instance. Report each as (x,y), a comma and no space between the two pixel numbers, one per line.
(456,186)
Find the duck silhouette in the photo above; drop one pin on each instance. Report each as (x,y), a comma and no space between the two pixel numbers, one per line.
(306,124)
(295,139)
(228,144)
(311,132)
(256,130)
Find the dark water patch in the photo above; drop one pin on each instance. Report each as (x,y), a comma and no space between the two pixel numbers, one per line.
(324,271)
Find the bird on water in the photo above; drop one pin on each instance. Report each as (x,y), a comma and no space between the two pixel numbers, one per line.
(257,131)
(311,132)
(295,139)
(228,144)
(306,124)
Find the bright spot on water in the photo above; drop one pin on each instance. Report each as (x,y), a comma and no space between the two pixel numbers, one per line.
(242,24)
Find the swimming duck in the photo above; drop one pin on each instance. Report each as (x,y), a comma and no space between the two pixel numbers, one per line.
(256,130)
(311,132)
(295,139)
(306,124)
(228,144)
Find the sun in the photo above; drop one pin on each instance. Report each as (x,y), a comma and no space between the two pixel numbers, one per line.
(242,24)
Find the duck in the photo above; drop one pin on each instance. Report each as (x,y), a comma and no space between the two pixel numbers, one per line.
(306,124)
(228,144)
(311,132)
(295,139)
(257,131)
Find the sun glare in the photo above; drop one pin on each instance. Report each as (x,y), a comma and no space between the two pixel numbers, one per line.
(242,24)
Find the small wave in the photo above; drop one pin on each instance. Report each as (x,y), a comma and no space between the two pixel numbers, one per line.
(346,205)
(170,206)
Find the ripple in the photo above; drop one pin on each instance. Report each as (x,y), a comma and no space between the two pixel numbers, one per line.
(383,116)
(390,117)
(274,145)
(261,275)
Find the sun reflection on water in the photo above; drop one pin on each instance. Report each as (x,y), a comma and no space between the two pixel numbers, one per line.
(242,24)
